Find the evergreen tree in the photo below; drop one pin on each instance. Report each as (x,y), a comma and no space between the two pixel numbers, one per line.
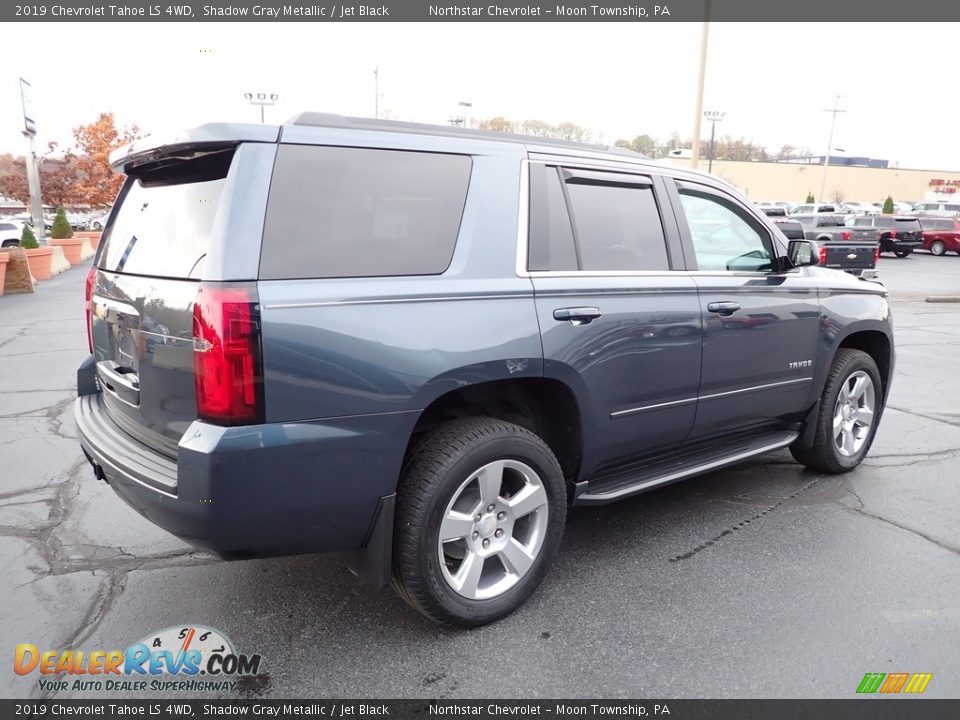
(61,226)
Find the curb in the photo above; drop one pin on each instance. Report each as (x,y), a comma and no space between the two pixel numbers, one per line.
(943,299)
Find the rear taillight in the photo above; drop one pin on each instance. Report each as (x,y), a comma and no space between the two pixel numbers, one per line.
(88,295)
(876,254)
(845,234)
(823,255)
(893,233)
(228,370)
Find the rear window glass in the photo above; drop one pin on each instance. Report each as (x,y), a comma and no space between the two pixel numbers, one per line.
(163,226)
(907,224)
(355,212)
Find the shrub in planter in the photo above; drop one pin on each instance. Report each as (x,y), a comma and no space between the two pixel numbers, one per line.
(28,241)
(810,198)
(61,226)
(888,205)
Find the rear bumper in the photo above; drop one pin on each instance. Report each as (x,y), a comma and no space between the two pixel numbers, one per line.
(255,491)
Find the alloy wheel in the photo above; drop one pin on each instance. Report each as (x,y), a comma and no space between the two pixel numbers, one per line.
(853,414)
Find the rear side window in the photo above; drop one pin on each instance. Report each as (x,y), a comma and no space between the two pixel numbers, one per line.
(618,227)
(162,227)
(353,212)
(551,235)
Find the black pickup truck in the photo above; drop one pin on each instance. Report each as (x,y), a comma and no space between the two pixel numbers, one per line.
(852,249)
(899,235)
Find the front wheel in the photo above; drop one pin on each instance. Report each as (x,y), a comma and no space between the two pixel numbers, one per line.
(938,248)
(480,512)
(850,408)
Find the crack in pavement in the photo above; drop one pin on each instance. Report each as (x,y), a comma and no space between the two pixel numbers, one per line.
(913,531)
(733,528)
(934,418)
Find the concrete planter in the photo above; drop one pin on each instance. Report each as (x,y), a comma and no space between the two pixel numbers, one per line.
(4,259)
(39,260)
(92,235)
(72,248)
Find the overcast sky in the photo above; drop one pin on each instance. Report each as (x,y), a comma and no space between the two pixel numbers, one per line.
(617,79)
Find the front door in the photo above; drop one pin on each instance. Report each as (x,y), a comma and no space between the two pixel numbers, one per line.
(761,327)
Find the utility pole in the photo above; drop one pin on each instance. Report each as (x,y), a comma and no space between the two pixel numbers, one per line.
(33,168)
(714,116)
(835,110)
(376,91)
(698,113)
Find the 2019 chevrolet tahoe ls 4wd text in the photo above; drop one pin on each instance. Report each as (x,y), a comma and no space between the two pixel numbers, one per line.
(419,345)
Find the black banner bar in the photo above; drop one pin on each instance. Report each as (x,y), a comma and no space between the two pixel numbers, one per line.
(473,11)
(874,708)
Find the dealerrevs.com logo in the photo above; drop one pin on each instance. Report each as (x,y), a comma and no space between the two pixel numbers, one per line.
(191,658)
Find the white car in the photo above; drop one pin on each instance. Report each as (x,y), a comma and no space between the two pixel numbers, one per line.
(936,209)
(863,208)
(10,232)
(98,222)
(815,209)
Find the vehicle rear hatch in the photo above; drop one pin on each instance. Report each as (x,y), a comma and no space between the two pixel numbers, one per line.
(142,291)
(908,230)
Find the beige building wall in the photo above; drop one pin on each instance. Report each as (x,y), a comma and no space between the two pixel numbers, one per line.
(791,182)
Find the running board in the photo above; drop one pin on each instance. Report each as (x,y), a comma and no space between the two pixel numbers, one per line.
(609,489)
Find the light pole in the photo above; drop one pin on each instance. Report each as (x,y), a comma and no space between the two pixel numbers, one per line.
(714,116)
(460,120)
(826,159)
(704,40)
(263,100)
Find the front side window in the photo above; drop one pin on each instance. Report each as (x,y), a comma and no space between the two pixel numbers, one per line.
(724,238)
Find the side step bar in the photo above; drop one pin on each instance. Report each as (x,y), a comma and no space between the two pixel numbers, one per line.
(616,487)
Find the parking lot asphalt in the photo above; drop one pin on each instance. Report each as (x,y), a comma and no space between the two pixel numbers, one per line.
(763,580)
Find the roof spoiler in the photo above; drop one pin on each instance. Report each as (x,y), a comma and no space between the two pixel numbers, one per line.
(187,143)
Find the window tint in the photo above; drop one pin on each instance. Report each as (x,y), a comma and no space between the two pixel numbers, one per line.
(163,226)
(723,237)
(354,212)
(884,222)
(863,222)
(7,226)
(618,227)
(551,236)
(951,207)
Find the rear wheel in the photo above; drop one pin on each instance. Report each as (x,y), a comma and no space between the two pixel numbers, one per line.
(938,248)
(901,253)
(480,513)
(850,407)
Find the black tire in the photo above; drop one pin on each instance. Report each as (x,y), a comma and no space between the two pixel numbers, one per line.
(436,471)
(938,248)
(824,455)
(96,226)
(10,243)
(901,253)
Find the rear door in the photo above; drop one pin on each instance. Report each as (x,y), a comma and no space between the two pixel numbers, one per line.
(151,259)
(618,322)
(761,327)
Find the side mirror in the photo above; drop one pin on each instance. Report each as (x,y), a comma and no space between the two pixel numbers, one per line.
(801,253)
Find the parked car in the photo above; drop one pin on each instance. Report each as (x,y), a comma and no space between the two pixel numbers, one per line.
(863,208)
(10,232)
(78,221)
(936,209)
(808,209)
(98,221)
(774,211)
(940,235)
(466,333)
(853,250)
(899,235)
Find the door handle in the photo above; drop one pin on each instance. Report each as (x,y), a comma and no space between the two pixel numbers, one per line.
(577,315)
(723,309)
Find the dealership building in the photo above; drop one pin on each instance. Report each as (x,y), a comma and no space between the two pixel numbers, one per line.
(867,181)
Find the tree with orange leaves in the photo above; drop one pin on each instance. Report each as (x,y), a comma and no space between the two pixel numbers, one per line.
(96,184)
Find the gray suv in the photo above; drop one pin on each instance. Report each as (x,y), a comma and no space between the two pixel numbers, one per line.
(419,345)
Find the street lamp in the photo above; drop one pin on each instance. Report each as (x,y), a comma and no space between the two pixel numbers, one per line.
(261,99)
(714,116)
(459,120)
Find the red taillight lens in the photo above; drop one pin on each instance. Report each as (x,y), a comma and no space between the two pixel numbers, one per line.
(876,254)
(226,355)
(823,256)
(845,234)
(88,295)
(893,233)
